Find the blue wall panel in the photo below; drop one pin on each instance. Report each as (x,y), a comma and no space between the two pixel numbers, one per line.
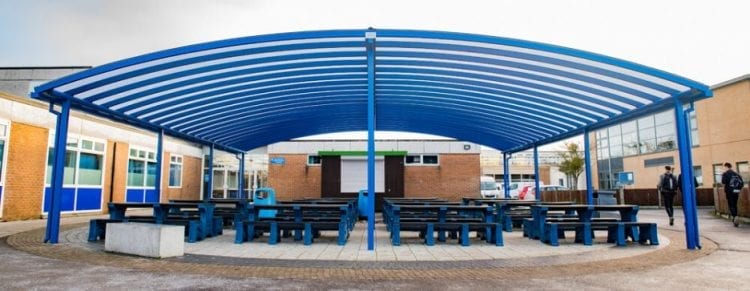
(151,195)
(134,195)
(89,199)
(68,199)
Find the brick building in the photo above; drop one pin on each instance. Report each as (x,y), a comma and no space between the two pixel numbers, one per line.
(105,161)
(644,146)
(405,168)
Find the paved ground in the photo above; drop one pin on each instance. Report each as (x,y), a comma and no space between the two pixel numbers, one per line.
(720,265)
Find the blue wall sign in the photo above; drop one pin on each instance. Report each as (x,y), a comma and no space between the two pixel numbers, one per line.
(278,161)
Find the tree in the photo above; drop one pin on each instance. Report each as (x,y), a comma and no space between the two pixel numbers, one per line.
(573,164)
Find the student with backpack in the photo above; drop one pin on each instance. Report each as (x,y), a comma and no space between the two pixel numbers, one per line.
(668,187)
(732,187)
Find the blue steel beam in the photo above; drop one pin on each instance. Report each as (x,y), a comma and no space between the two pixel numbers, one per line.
(159,162)
(210,182)
(686,168)
(587,167)
(506,176)
(241,177)
(537,190)
(52,231)
(370,45)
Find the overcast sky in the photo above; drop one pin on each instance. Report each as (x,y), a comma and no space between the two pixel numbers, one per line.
(707,41)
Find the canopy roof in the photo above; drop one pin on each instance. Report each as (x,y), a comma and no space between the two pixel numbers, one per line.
(243,93)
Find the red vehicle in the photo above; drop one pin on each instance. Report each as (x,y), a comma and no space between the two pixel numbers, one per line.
(527,193)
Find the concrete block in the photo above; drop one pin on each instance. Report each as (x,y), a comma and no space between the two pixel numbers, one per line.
(145,239)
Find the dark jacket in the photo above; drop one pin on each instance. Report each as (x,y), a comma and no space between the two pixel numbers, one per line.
(725,178)
(661,180)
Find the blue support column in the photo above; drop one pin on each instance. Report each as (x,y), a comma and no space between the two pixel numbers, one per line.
(159,163)
(241,178)
(587,165)
(210,183)
(61,137)
(506,176)
(370,38)
(536,174)
(686,168)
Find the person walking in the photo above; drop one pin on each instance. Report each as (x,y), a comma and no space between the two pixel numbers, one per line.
(668,187)
(732,187)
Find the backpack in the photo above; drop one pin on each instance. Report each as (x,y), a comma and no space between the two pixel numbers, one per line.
(668,183)
(736,183)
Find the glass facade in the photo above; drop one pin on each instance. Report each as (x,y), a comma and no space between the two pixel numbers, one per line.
(649,134)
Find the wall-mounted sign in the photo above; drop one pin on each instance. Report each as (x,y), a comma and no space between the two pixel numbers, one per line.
(278,161)
(467,147)
(625,178)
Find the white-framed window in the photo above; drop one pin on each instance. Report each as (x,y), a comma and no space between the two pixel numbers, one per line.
(175,171)
(4,133)
(225,183)
(141,168)
(84,161)
(423,160)
(313,160)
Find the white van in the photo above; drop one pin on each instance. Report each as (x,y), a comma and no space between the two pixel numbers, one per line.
(488,187)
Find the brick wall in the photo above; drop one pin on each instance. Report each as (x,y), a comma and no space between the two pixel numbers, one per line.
(294,179)
(24,183)
(456,177)
(191,179)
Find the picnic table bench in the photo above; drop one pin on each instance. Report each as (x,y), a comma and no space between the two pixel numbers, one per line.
(199,223)
(443,218)
(627,226)
(305,220)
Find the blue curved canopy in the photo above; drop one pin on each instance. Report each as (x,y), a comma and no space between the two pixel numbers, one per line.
(243,93)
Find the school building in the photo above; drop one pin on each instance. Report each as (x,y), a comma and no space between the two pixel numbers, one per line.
(645,145)
(105,160)
(404,168)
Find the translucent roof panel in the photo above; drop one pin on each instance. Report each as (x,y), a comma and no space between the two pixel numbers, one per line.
(248,92)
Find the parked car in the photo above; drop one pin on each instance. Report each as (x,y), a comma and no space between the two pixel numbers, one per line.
(553,188)
(488,187)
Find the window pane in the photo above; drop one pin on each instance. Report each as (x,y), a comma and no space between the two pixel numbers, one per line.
(695,138)
(666,117)
(72,142)
(743,169)
(99,147)
(70,167)
(614,130)
(648,146)
(151,177)
(665,143)
(628,127)
(718,170)
(313,160)
(218,179)
(646,122)
(430,159)
(413,159)
(232,180)
(135,173)
(151,156)
(664,130)
(615,151)
(698,172)
(2,153)
(175,175)
(3,130)
(141,154)
(91,169)
(87,144)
